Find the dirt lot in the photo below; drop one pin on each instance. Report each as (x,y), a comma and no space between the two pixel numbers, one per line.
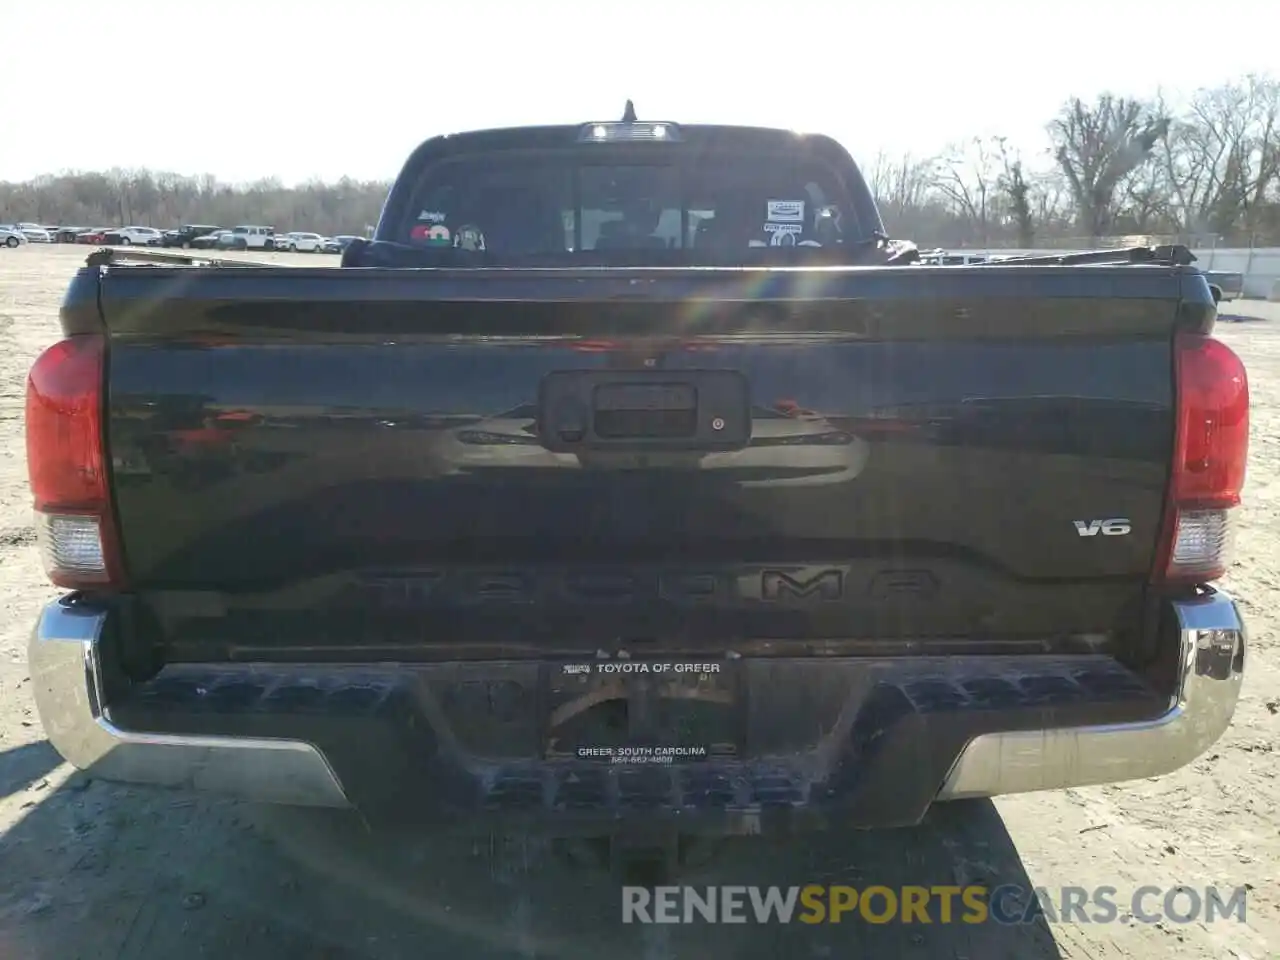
(89,869)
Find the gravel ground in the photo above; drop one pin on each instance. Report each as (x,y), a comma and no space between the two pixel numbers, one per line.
(90,869)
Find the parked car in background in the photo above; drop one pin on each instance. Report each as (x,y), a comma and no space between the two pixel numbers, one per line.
(35,233)
(65,234)
(11,236)
(125,236)
(92,235)
(210,241)
(300,242)
(249,237)
(1231,284)
(339,243)
(183,236)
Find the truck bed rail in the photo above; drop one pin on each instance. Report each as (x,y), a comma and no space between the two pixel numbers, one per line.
(133,256)
(1174,255)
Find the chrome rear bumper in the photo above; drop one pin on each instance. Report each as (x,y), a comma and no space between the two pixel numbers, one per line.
(1211,670)
(66,676)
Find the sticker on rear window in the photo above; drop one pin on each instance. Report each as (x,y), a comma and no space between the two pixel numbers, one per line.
(785,211)
(783,234)
(431,216)
(469,237)
(435,235)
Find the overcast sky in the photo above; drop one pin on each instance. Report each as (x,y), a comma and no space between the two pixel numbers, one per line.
(320,88)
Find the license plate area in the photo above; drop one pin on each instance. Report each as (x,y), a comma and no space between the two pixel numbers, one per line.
(644,712)
(686,410)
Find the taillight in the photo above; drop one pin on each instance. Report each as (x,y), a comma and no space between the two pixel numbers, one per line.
(66,466)
(1211,449)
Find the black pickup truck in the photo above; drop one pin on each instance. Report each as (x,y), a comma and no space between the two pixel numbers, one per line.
(630,476)
(185,234)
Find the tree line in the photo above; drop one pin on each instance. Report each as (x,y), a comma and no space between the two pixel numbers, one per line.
(165,200)
(1204,170)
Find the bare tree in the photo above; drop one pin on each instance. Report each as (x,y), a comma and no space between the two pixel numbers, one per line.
(898,183)
(1097,146)
(1222,158)
(966,177)
(1142,202)
(1013,184)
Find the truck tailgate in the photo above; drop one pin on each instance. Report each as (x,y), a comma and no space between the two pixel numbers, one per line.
(366,463)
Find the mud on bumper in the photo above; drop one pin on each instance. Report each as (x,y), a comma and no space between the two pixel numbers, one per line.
(889,737)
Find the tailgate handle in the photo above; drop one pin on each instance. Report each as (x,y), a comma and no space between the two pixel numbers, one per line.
(696,411)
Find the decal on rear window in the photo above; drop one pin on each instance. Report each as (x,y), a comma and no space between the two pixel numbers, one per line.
(785,211)
(434,234)
(469,237)
(432,216)
(783,234)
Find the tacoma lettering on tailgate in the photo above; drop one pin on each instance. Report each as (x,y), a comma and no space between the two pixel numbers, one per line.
(475,587)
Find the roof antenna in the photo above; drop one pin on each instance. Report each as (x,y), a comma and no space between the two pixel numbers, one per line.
(629,114)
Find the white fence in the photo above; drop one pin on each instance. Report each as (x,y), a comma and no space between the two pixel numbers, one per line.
(1260,265)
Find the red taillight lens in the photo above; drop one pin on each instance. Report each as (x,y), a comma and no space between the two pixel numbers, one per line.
(66,467)
(1211,451)
(64,425)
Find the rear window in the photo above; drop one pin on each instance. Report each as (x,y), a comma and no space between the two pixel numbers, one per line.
(521,203)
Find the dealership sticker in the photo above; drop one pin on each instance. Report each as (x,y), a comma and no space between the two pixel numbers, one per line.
(785,211)
(783,234)
(658,754)
(605,668)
